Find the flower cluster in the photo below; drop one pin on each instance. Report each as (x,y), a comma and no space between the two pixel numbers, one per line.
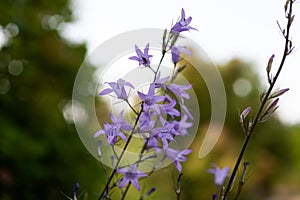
(161,115)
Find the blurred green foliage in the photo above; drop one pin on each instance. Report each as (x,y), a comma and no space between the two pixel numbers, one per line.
(41,155)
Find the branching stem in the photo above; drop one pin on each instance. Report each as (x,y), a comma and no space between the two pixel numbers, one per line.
(287,51)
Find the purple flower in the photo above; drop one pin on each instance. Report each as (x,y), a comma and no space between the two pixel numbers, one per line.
(182,126)
(152,143)
(169,108)
(118,88)
(179,90)
(143,58)
(150,99)
(112,131)
(182,24)
(132,175)
(220,174)
(160,82)
(175,52)
(164,133)
(177,156)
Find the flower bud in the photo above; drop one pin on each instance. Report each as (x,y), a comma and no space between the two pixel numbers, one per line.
(279,93)
(270,63)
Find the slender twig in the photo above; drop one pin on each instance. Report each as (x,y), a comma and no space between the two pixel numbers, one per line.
(131,107)
(287,51)
(126,190)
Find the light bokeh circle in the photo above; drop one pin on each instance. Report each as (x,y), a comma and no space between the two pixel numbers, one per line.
(108,63)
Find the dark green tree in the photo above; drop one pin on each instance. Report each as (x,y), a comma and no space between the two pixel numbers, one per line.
(40,154)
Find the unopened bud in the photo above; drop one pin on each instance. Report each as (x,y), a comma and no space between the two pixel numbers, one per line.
(245,113)
(164,41)
(270,63)
(272,105)
(279,93)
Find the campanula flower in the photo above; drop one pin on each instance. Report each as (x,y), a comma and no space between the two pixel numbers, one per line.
(179,90)
(177,156)
(182,126)
(220,174)
(142,58)
(183,24)
(118,88)
(150,98)
(132,175)
(175,52)
(113,131)
(165,133)
(169,108)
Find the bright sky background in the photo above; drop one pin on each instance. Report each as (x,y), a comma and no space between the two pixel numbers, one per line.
(227,29)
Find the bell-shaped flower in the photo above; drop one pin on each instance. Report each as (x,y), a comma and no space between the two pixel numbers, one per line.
(179,90)
(183,24)
(142,58)
(118,88)
(114,130)
(150,98)
(182,126)
(132,175)
(220,174)
(177,156)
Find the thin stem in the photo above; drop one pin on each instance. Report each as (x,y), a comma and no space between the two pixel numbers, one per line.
(103,167)
(126,190)
(113,148)
(164,51)
(161,59)
(105,190)
(131,107)
(265,99)
(152,69)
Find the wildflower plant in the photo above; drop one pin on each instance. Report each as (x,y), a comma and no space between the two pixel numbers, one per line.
(145,133)
(157,115)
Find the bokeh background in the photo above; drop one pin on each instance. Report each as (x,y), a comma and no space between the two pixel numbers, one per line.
(41,155)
